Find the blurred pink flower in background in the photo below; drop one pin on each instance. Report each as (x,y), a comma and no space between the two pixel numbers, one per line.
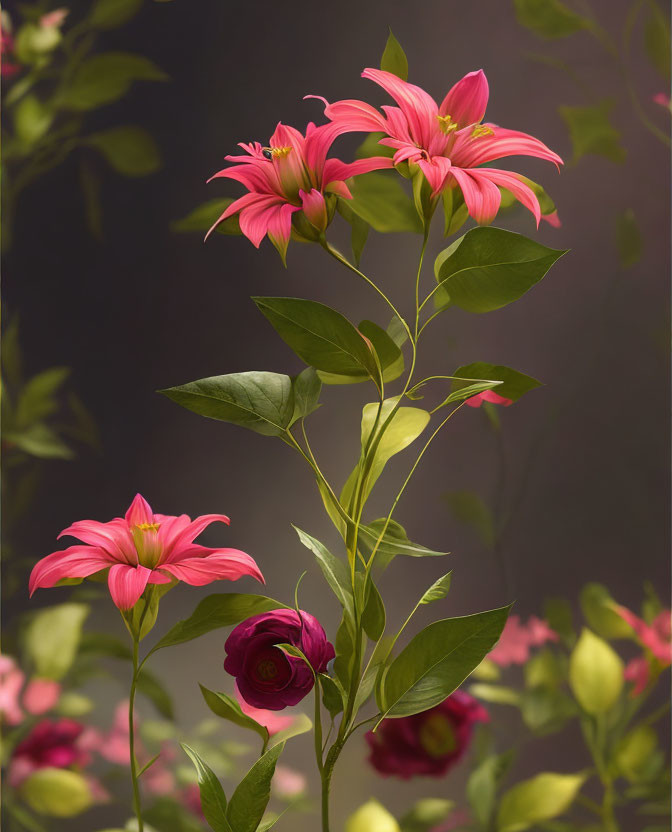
(656,638)
(11,682)
(288,783)
(143,548)
(448,142)
(8,67)
(51,744)
(53,20)
(292,174)
(488,396)
(41,695)
(272,721)
(514,644)
(663,99)
(190,797)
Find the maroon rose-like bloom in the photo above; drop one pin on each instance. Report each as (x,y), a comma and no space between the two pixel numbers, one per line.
(49,745)
(429,743)
(266,676)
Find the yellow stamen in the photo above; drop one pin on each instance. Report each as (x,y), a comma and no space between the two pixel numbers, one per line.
(148,527)
(481,130)
(446,124)
(278,152)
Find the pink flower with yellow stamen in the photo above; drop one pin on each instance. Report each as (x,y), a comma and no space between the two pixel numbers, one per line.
(143,548)
(292,175)
(448,143)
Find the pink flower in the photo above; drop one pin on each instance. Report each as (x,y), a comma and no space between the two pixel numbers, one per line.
(41,695)
(11,682)
(638,671)
(190,797)
(49,745)
(655,637)
(293,174)
(288,783)
(53,20)
(488,396)
(143,548)
(447,143)
(7,67)
(663,100)
(514,644)
(272,722)
(265,675)
(429,743)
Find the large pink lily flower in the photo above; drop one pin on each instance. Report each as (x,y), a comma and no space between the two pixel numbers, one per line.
(292,174)
(448,143)
(143,548)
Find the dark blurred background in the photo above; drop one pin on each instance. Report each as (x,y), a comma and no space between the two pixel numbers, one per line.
(586,456)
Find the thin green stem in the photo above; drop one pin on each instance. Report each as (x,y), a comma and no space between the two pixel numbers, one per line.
(318,728)
(131,735)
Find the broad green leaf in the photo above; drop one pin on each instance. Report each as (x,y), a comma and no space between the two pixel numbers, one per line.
(597,606)
(468,390)
(371,817)
(381,200)
(545,669)
(437,660)
(394,58)
(152,688)
(546,710)
(34,42)
(52,639)
(74,705)
(483,783)
(38,440)
(496,694)
(226,707)
(438,590)
(427,814)
(213,799)
(320,336)
(371,147)
(332,697)
(388,353)
(657,39)
(213,613)
(591,132)
(32,119)
(103,78)
(542,798)
(344,645)
(488,268)
(335,571)
(404,428)
(470,510)
(168,815)
(513,386)
(455,211)
(107,14)
(634,751)
(38,397)
(307,388)
(301,724)
(57,792)
(260,401)
(595,674)
(549,18)
(373,616)
(130,150)
(395,542)
(206,215)
(628,239)
(249,801)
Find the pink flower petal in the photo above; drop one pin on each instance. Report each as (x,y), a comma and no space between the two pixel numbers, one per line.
(418,106)
(522,192)
(127,583)
(315,209)
(185,533)
(41,695)
(139,512)
(74,562)
(217,565)
(480,194)
(467,100)
(114,537)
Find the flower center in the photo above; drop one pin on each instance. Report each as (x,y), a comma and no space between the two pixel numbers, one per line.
(267,669)
(276,152)
(481,130)
(437,736)
(446,124)
(147,543)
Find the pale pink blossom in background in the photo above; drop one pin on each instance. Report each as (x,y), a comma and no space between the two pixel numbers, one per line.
(637,671)
(488,396)
(41,695)
(288,783)
(273,721)
(663,100)
(158,779)
(52,20)
(656,638)
(11,682)
(514,644)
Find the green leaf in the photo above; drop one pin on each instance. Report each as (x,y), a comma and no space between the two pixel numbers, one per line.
(389,356)
(542,798)
(320,336)
(101,79)
(592,133)
(438,590)
(38,397)
(513,386)
(657,39)
(226,707)
(455,211)
(437,660)
(470,510)
(371,147)
(215,612)
(482,785)
(634,751)
(549,18)
(404,428)
(545,669)
(34,42)
(373,616)
(32,119)
(344,645)
(206,215)
(546,710)
(468,390)
(335,571)
(427,814)
(496,694)
(307,388)
(332,697)
(628,239)
(52,639)
(380,200)
(371,817)
(595,674)
(597,605)
(260,401)
(56,792)
(559,616)
(301,724)
(394,58)
(130,150)
(488,268)
(108,14)
(395,542)
(39,440)
(152,688)
(213,799)
(248,802)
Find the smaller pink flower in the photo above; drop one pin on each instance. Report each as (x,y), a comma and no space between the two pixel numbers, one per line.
(159,779)
(514,644)
(51,744)
(11,682)
(488,396)
(637,671)
(288,783)
(271,720)
(663,100)
(654,637)
(41,695)
(54,20)
(8,67)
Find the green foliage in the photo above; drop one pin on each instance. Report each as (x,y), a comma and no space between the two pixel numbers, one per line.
(108,14)
(213,613)
(104,78)
(426,814)
(539,799)
(371,817)
(260,401)
(52,638)
(32,119)
(549,19)
(546,709)
(635,751)
(455,211)
(206,215)
(437,660)
(387,352)
(301,724)
(488,268)
(595,674)
(249,801)
(628,239)
(381,201)
(359,233)
(483,783)
(657,39)
(373,615)
(57,792)
(559,616)
(514,384)
(307,388)
(591,132)
(213,799)
(394,542)
(130,150)
(470,510)
(437,591)
(334,570)
(394,58)
(598,609)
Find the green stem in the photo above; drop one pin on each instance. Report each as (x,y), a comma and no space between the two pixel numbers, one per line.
(131,736)
(318,728)
(326,774)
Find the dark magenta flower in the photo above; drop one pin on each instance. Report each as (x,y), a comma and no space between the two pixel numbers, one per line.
(429,743)
(49,745)
(265,675)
